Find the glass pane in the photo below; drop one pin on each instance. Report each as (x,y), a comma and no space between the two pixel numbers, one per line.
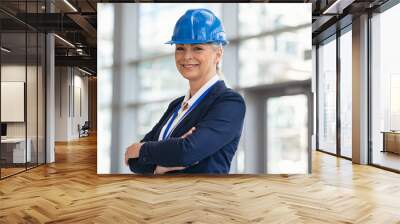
(31,101)
(33,7)
(13,87)
(148,116)
(275,58)
(105,35)
(267,17)
(104,119)
(162,18)
(104,140)
(327,97)
(346,94)
(287,134)
(12,25)
(105,88)
(386,89)
(160,79)
(394,102)
(41,99)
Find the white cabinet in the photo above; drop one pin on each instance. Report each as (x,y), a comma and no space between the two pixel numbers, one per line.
(18,149)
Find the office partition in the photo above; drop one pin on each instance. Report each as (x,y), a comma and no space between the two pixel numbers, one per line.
(22,77)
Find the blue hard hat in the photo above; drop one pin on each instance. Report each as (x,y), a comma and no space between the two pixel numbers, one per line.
(198,26)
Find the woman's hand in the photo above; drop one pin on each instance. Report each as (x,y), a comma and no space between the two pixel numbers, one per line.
(132,152)
(189,132)
(163,169)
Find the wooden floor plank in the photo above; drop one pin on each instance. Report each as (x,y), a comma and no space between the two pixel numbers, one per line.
(70,191)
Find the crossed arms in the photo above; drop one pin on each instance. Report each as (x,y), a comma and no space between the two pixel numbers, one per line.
(222,124)
(158,169)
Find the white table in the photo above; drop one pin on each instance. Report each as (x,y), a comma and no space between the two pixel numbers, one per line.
(18,145)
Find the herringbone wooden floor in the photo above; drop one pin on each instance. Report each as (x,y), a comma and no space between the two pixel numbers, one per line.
(70,191)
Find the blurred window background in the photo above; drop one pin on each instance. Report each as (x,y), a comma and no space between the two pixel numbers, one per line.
(269,53)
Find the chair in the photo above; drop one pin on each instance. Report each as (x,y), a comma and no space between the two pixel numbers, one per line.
(84,130)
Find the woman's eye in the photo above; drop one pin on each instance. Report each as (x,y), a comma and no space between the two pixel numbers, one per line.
(198,49)
(179,48)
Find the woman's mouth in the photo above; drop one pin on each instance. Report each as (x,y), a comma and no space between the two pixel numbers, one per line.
(190,65)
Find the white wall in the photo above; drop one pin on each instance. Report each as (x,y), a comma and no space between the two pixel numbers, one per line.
(33,126)
(79,115)
(12,73)
(61,103)
(17,73)
(71,87)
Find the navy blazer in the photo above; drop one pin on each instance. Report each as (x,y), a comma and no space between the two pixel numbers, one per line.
(218,119)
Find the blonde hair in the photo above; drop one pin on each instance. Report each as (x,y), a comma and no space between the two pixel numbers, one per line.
(219,71)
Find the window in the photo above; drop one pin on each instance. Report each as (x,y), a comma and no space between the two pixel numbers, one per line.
(346,94)
(275,16)
(105,35)
(274,59)
(149,80)
(287,134)
(327,97)
(160,80)
(385,89)
(279,52)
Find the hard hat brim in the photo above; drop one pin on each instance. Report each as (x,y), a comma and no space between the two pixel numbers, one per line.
(196,42)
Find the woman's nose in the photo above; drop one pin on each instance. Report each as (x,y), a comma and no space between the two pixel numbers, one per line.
(187,54)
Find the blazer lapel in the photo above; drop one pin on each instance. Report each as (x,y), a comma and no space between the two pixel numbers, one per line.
(169,114)
(216,90)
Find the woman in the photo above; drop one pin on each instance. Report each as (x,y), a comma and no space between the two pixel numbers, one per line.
(199,132)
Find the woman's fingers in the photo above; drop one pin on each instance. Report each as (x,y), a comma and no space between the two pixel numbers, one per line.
(189,132)
(126,157)
(162,169)
(126,161)
(158,170)
(129,152)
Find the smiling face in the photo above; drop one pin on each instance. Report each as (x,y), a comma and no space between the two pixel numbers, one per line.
(197,61)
